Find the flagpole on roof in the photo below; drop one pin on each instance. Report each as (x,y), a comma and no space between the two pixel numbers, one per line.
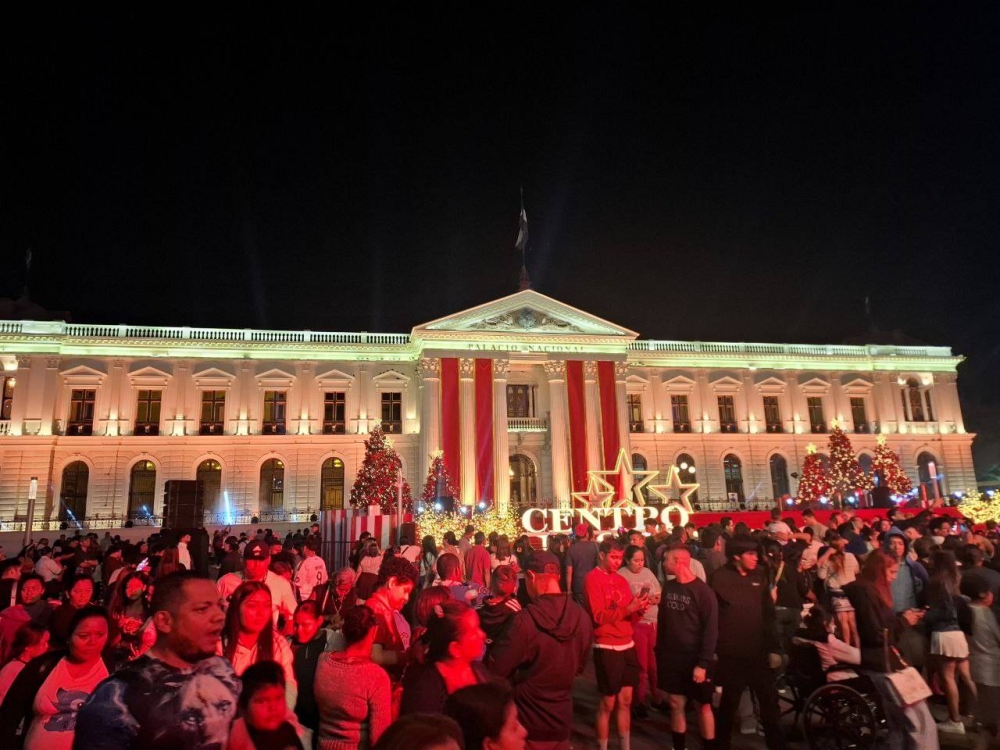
(524,282)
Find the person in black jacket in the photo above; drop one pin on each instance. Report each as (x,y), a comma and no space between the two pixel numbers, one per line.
(748,648)
(543,650)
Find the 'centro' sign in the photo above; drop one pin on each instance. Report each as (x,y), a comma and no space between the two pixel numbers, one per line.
(562,520)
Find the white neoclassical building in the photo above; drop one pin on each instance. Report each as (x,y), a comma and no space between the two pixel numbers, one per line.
(523,394)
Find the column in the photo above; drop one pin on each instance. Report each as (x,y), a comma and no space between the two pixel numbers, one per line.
(949,386)
(555,373)
(429,371)
(621,406)
(21,393)
(593,406)
(501,448)
(467,428)
(362,399)
(51,403)
(841,409)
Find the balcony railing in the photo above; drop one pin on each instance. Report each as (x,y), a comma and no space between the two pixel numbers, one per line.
(91,523)
(527,424)
(5,427)
(812,350)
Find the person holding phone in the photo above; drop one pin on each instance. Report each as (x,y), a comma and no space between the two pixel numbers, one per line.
(643,583)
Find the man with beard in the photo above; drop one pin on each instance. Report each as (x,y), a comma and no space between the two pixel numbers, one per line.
(177,695)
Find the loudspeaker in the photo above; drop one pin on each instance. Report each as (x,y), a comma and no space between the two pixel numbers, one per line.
(183,504)
(881,497)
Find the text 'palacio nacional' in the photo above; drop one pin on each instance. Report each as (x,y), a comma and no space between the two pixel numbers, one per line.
(523,394)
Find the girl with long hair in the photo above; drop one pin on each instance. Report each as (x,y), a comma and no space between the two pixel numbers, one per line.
(428,560)
(949,654)
(455,645)
(249,635)
(838,568)
(30,641)
(132,631)
(170,562)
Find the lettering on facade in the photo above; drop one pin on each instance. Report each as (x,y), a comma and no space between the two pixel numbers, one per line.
(544,521)
(526,347)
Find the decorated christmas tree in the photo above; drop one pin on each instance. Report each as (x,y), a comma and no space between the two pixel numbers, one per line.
(813,485)
(376,482)
(845,472)
(980,508)
(438,483)
(885,465)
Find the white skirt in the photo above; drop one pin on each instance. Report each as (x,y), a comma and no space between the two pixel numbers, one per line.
(951,644)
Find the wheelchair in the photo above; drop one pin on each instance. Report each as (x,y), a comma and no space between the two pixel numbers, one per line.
(841,715)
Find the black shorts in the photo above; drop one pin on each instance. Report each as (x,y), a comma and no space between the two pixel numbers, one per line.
(616,670)
(675,672)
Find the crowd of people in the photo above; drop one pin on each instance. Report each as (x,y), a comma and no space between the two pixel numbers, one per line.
(477,642)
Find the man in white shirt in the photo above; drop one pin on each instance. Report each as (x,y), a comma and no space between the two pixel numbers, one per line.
(48,568)
(183,553)
(311,572)
(256,563)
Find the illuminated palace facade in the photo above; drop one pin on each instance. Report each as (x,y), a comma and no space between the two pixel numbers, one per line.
(523,395)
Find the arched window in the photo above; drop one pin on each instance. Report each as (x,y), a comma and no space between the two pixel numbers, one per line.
(142,490)
(73,503)
(331,485)
(779,476)
(929,473)
(209,473)
(687,472)
(272,485)
(523,482)
(732,468)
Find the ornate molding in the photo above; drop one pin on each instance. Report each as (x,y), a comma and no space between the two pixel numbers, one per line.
(52,363)
(555,369)
(621,368)
(590,370)
(429,368)
(23,363)
(466,368)
(526,319)
(500,368)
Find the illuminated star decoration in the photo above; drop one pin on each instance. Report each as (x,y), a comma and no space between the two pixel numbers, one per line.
(674,480)
(627,476)
(811,448)
(598,492)
(880,439)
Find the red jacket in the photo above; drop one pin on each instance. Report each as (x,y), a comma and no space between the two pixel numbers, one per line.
(607,596)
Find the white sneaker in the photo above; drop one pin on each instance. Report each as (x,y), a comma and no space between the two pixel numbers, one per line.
(952,727)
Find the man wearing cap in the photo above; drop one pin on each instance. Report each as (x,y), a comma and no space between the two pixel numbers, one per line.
(311,572)
(580,560)
(543,649)
(256,561)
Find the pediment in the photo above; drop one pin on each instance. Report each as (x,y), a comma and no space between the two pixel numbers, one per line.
(771,384)
(83,375)
(857,385)
(813,384)
(725,383)
(209,369)
(213,377)
(149,376)
(391,379)
(275,372)
(525,313)
(151,369)
(335,379)
(678,381)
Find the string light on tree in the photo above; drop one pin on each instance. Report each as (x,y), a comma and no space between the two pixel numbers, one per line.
(814,484)
(376,481)
(980,508)
(845,475)
(886,466)
(439,483)
(436,524)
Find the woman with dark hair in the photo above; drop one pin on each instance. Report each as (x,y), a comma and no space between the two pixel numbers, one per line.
(449,545)
(49,691)
(817,631)
(368,567)
(170,562)
(949,654)
(422,732)
(264,721)
(488,717)
(249,635)
(837,568)
(428,559)
(79,593)
(31,607)
(132,632)
(30,641)
(396,580)
(910,727)
(454,647)
(353,693)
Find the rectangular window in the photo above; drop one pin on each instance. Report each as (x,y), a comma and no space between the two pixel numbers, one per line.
(859,414)
(81,412)
(334,413)
(392,411)
(727,414)
(817,422)
(520,401)
(635,423)
(772,414)
(6,397)
(274,412)
(679,413)
(213,412)
(147,413)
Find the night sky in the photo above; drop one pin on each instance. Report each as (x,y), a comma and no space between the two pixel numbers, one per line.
(720,178)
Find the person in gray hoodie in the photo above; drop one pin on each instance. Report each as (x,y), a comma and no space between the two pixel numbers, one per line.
(908,592)
(543,650)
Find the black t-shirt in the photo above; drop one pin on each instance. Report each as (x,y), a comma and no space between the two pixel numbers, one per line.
(687,621)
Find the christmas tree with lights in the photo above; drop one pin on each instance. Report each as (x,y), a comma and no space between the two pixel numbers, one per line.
(377,477)
(438,483)
(885,465)
(980,508)
(813,485)
(845,473)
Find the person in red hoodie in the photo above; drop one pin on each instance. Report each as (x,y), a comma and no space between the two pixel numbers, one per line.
(611,606)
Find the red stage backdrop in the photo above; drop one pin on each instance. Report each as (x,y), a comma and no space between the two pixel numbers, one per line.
(577,424)
(609,421)
(450,424)
(484,429)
